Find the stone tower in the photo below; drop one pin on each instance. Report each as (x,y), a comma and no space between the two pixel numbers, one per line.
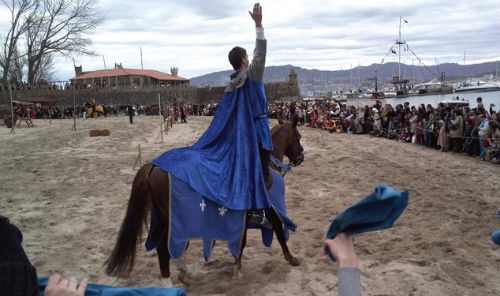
(78,70)
(293,85)
(174,71)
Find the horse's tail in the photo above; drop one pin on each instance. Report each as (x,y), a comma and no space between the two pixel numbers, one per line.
(121,260)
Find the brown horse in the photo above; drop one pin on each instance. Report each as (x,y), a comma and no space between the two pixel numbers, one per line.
(151,187)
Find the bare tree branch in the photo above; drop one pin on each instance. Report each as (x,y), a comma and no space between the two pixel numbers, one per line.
(21,11)
(60,29)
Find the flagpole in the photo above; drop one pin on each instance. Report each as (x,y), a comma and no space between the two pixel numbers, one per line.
(12,131)
(142,66)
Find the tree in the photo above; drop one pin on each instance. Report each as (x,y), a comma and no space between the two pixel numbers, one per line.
(46,69)
(16,70)
(21,11)
(58,27)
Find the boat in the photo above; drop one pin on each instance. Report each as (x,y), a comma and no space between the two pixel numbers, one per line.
(477,86)
(456,102)
(432,87)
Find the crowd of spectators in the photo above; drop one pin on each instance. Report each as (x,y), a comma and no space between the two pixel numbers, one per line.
(447,127)
(90,110)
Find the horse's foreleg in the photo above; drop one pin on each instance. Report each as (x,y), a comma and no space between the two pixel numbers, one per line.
(237,268)
(280,234)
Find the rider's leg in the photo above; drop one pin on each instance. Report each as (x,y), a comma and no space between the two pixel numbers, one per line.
(265,158)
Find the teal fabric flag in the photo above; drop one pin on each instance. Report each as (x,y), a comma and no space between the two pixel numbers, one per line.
(101,290)
(377,211)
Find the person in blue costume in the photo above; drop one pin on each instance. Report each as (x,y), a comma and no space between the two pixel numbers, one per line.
(229,164)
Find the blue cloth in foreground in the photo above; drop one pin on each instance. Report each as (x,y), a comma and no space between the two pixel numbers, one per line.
(101,290)
(376,211)
(224,164)
(193,216)
(495,237)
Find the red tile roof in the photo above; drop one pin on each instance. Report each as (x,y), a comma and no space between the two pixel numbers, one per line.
(125,72)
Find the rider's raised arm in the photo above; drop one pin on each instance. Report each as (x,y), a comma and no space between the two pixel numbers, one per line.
(256,68)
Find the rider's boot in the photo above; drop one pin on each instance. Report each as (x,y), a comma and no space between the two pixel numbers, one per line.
(258,217)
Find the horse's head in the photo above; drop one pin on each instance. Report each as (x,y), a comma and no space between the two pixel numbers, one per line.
(286,141)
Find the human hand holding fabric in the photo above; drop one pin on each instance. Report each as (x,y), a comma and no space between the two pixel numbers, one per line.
(257,15)
(342,248)
(59,286)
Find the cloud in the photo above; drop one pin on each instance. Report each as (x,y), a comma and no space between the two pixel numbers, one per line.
(196,35)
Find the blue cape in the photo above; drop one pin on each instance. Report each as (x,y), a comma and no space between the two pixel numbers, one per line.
(224,164)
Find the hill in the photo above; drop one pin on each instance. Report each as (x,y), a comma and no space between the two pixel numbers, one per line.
(324,80)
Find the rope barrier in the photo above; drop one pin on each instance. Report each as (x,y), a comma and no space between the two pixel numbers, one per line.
(429,132)
(138,159)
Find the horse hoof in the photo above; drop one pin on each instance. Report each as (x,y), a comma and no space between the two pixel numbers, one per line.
(184,279)
(294,261)
(166,282)
(237,275)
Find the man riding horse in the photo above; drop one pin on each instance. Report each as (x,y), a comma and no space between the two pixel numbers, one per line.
(229,164)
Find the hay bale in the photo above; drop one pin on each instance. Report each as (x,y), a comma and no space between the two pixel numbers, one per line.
(99,133)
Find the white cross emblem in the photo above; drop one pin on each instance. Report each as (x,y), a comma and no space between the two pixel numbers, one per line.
(222,211)
(203,205)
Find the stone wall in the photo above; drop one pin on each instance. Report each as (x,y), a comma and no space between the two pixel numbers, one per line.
(124,96)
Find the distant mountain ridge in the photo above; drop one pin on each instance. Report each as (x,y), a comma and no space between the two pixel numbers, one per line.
(361,76)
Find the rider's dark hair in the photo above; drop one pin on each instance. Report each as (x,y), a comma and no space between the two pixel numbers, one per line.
(236,56)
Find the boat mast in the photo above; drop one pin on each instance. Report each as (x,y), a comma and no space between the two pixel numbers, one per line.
(399,50)
(436,68)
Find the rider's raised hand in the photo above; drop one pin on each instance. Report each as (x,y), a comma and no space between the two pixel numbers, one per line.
(257,14)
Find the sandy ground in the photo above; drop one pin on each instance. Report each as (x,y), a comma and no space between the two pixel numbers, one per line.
(68,194)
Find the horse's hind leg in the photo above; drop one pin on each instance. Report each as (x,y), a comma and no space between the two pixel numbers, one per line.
(280,234)
(183,274)
(237,268)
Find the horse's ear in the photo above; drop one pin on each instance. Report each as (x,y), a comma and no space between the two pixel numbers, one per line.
(280,121)
(295,121)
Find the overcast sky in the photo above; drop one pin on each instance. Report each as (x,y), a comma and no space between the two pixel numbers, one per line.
(196,35)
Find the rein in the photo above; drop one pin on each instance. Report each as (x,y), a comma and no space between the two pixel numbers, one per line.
(280,166)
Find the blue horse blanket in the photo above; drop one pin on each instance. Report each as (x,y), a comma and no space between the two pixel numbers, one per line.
(224,164)
(101,290)
(194,216)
